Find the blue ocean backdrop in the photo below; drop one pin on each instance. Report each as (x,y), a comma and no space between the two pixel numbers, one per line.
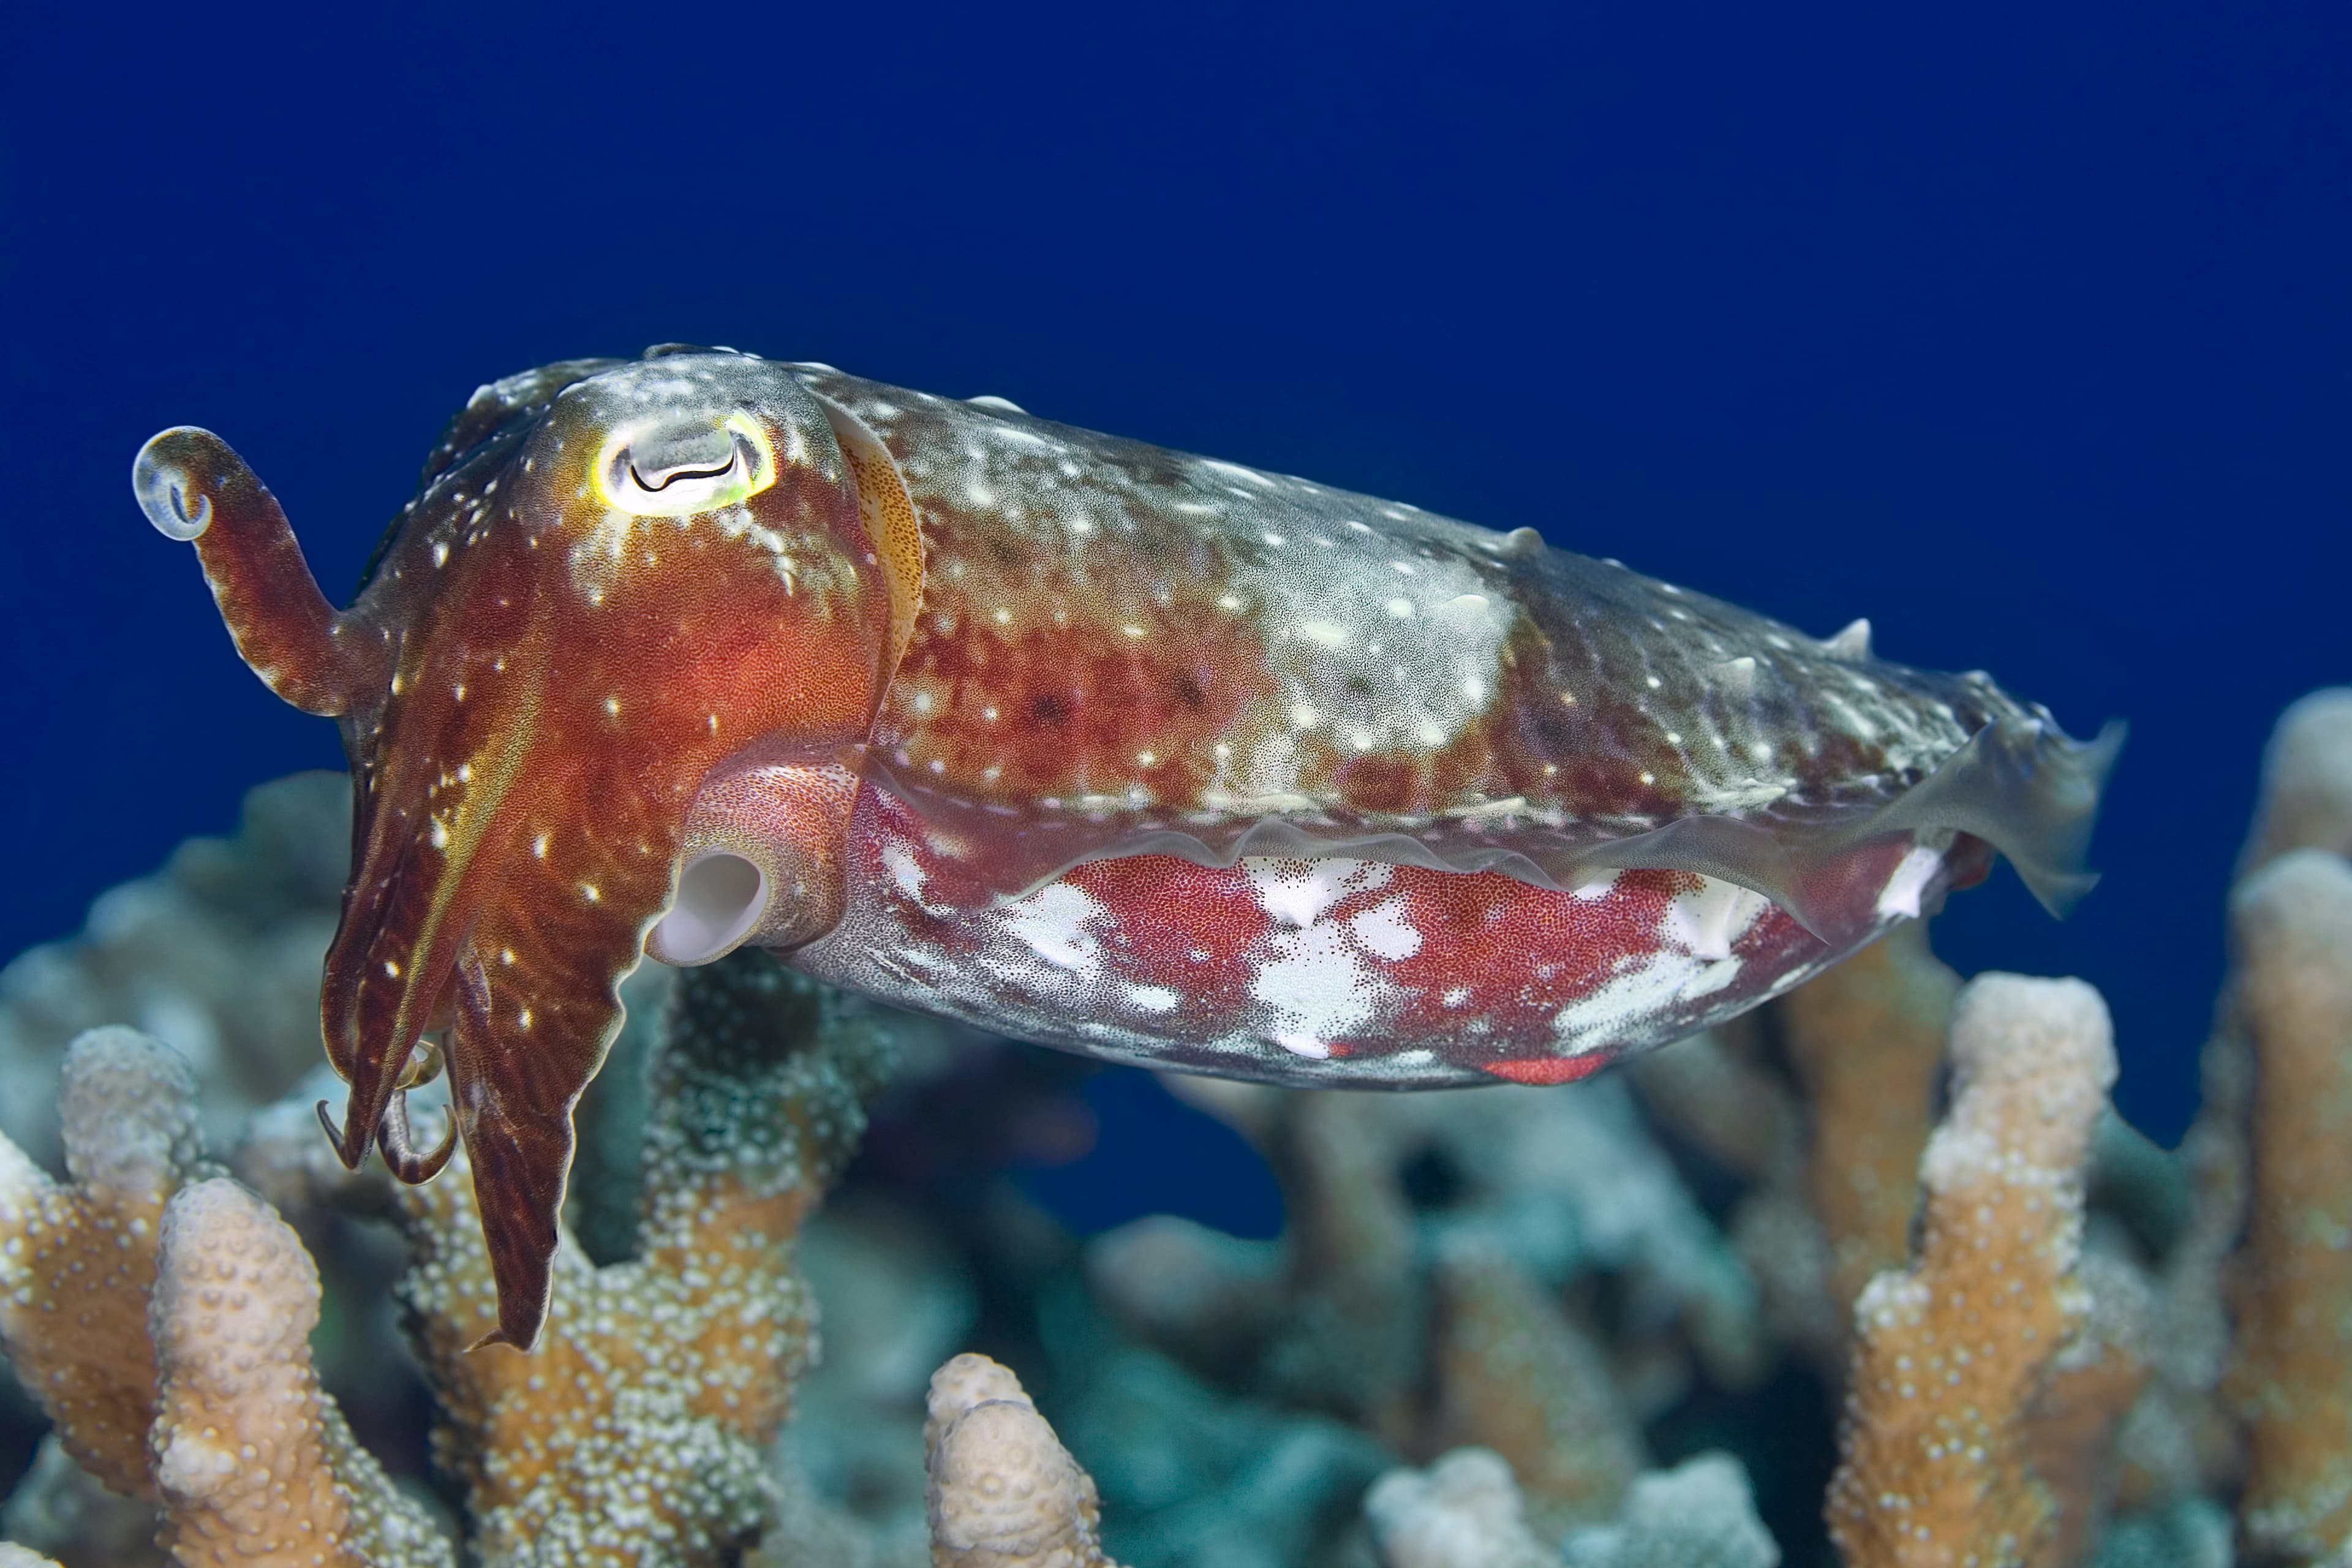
(2025,331)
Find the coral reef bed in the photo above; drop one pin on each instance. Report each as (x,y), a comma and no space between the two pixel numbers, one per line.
(1875,1276)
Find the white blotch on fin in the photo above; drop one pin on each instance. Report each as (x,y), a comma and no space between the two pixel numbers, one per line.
(1853,642)
(1152,998)
(1053,921)
(1386,931)
(1002,405)
(1297,891)
(1737,675)
(1316,988)
(1706,923)
(905,871)
(1918,868)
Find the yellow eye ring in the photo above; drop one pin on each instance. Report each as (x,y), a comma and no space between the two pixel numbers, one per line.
(651,469)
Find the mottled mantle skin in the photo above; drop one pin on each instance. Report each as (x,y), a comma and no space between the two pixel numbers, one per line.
(1130,752)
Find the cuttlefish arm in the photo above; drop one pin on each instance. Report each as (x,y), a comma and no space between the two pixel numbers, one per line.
(613,668)
(191,487)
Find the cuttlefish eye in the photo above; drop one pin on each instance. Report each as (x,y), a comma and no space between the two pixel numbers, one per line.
(668,468)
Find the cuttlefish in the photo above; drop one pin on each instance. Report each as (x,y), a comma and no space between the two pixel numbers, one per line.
(1081,740)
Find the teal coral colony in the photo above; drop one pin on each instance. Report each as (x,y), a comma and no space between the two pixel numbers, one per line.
(1068,737)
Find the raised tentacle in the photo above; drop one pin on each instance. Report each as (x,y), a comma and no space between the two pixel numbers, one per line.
(193,486)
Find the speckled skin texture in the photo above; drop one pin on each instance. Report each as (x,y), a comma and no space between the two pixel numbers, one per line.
(1135,752)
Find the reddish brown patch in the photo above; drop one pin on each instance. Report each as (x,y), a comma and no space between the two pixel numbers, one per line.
(1063,702)
(1542,1071)
(1174,923)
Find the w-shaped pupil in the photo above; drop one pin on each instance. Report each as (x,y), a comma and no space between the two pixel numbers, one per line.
(704,454)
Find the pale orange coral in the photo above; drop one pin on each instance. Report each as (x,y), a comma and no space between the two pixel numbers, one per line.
(162,1316)
(1951,1353)
(77,1260)
(2306,781)
(1867,1042)
(255,1466)
(2292,1378)
(636,1431)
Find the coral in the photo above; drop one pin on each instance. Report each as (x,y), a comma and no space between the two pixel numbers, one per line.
(1564,1182)
(162,1314)
(77,1260)
(2094,1382)
(1464,1512)
(1350,1338)
(2292,1379)
(254,1465)
(1951,1353)
(1004,1493)
(1867,1042)
(2306,781)
(896,1302)
(610,1442)
(614,1442)
(219,955)
(1700,1514)
(1191,1475)
(1517,1377)
(1713,1089)
(60,1508)
(2191,1533)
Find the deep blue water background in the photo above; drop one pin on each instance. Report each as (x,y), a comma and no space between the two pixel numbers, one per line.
(2026,331)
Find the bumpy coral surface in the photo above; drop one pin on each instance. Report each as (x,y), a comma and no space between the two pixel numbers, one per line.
(1004,1493)
(255,1466)
(204,1402)
(2293,1378)
(1952,1352)
(77,1260)
(638,1427)
(1464,1512)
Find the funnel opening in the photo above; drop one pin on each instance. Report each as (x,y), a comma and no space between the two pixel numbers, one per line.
(720,898)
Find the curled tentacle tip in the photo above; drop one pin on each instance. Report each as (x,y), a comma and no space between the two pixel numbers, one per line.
(166,491)
(350,1150)
(392,1140)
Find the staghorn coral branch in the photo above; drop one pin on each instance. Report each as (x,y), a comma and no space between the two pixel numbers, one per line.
(2291,1380)
(2093,1382)
(163,1316)
(78,1260)
(255,1464)
(1951,1353)
(1004,1493)
(2307,782)
(1867,1041)
(636,1432)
